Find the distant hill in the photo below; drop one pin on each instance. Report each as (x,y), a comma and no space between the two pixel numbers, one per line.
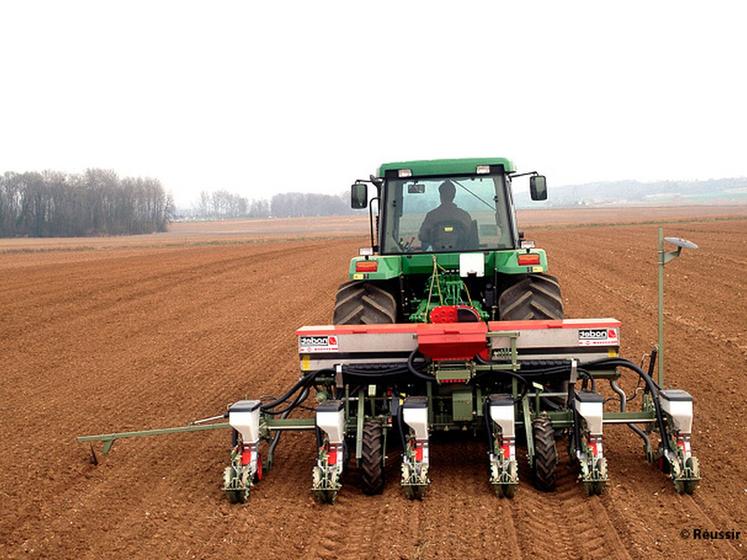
(712,191)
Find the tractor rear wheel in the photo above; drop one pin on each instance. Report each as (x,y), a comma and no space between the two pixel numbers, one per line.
(535,297)
(372,462)
(545,454)
(363,303)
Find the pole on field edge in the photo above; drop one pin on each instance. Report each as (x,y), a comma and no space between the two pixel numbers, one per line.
(660,357)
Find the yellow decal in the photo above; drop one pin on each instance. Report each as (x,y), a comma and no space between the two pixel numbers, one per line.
(536,269)
(305,362)
(358,276)
(612,354)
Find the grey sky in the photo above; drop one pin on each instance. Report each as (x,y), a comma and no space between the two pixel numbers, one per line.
(262,97)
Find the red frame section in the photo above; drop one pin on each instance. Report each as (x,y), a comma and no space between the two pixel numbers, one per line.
(451,328)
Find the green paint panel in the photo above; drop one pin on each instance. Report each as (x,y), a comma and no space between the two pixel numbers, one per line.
(462,406)
(446,166)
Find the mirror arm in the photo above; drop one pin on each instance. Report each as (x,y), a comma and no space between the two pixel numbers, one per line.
(375,181)
(512,175)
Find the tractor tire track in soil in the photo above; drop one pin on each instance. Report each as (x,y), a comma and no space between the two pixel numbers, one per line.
(139,337)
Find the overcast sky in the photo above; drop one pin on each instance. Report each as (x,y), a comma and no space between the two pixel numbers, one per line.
(259,97)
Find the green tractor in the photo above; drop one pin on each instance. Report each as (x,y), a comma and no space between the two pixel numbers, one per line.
(449,323)
(445,247)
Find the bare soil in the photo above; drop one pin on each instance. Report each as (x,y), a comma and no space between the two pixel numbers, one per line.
(124,337)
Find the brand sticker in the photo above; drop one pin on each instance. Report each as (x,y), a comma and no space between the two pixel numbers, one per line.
(312,344)
(597,337)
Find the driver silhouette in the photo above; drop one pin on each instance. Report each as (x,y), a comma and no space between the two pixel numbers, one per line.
(447,212)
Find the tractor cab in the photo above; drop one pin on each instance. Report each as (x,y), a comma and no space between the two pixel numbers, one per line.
(444,206)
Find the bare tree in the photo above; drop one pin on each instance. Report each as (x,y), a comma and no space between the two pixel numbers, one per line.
(94,203)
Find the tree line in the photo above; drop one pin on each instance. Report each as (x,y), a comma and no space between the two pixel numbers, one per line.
(223,204)
(96,202)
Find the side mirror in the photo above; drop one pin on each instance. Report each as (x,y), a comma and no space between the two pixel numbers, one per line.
(359,195)
(538,187)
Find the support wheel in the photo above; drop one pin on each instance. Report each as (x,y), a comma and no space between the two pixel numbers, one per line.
(232,486)
(363,303)
(415,492)
(372,461)
(321,494)
(537,296)
(506,490)
(593,488)
(545,454)
(238,496)
(692,468)
(325,496)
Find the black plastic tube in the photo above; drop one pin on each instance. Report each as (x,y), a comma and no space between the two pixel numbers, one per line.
(301,397)
(414,371)
(401,427)
(652,386)
(488,425)
(303,383)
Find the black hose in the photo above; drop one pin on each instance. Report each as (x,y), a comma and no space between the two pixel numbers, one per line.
(520,378)
(415,372)
(298,400)
(488,425)
(301,397)
(300,383)
(304,382)
(400,425)
(392,372)
(652,387)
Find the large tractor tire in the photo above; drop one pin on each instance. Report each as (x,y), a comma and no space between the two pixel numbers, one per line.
(372,462)
(364,303)
(535,297)
(545,454)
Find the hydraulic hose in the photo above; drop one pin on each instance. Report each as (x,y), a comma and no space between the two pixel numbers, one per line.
(414,371)
(488,425)
(276,438)
(304,383)
(302,396)
(652,387)
(521,378)
(390,372)
(400,424)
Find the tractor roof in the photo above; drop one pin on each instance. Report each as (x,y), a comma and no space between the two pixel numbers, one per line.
(445,166)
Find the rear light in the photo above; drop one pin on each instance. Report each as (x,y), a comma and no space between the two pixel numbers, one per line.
(528,259)
(366,266)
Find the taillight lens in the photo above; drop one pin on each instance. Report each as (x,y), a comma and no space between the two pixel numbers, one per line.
(366,266)
(528,259)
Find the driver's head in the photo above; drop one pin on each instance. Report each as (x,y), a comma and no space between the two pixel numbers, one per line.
(447,190)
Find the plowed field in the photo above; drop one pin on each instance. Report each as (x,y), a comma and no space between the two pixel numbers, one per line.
(119,338)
